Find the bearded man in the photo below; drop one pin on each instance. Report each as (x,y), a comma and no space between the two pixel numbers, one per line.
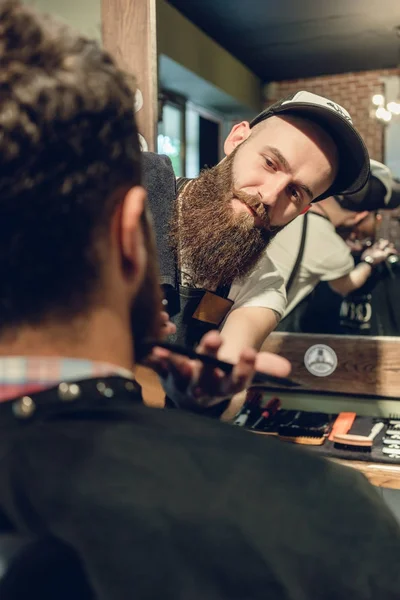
(298,151)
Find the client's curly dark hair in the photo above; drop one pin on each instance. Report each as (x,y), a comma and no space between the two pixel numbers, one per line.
(68,140)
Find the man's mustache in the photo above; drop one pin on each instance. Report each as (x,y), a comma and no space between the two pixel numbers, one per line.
(258,207)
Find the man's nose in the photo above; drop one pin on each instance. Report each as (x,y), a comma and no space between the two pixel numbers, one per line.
(272,190)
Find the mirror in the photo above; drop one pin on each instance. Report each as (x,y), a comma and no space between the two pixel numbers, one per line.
(218,67)
(280,52)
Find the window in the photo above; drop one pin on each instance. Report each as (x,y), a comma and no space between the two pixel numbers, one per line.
(203,139)
(188,134)
(171,135)
(392,129)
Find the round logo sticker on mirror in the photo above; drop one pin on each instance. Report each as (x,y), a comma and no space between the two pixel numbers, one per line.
(320,360)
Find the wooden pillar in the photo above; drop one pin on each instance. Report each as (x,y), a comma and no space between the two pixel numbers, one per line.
(129,34)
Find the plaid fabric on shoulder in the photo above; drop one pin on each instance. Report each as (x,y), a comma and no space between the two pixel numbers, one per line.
(21,375)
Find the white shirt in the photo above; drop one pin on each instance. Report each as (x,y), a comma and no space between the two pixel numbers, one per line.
(326,256)
(263,287)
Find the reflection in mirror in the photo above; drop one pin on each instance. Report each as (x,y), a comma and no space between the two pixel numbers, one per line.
(346,280)
(214,73)
(170,134)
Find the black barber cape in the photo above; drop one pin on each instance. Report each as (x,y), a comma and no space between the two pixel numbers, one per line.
(168,505)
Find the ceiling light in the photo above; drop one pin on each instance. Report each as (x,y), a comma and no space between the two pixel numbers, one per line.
(378,99)
(383,114)
(394,107)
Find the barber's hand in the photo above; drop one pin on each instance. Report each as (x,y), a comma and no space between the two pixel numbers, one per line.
(354,245)
(189,382)
(167,327)
(379,251)
(357,246)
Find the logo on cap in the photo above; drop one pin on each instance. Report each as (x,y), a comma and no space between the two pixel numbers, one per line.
(340,110)
(314,99)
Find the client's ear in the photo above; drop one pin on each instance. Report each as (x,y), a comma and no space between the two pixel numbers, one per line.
(353,218)
(132,242)
(360,217)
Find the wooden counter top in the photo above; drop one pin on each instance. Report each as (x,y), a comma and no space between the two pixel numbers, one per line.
(380,475)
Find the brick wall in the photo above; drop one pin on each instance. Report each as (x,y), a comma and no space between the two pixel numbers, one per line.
(351,90)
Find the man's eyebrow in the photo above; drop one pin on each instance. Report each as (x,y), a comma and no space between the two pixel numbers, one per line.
(278,154)
(280,157)
(307,190)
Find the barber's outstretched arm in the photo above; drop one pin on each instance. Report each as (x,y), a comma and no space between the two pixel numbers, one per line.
(191,383)
(359,275)
(246,327)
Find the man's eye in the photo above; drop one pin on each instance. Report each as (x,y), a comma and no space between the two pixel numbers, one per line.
(270,164)
(295,195)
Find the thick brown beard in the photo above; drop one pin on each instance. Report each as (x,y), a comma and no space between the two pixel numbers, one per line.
(217,244)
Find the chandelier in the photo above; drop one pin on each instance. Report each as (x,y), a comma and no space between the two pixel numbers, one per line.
(385,111)
(381,109)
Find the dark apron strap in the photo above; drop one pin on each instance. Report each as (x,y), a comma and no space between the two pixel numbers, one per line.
(223,291)
(299,255)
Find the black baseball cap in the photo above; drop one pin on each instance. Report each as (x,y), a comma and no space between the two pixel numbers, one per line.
(354,166)
(381,192)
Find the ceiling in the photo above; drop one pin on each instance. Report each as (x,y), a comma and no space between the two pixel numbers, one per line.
(288,39)
(175,78)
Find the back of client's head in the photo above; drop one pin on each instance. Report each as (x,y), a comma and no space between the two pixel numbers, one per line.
(68,143)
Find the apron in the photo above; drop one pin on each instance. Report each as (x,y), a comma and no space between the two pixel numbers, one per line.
(189,329)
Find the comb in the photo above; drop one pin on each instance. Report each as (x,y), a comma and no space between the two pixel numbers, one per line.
(392,452)
(390,444)
(342,425)
(359,440)
(306,440)
(258,378)
(306,428)
(391,431)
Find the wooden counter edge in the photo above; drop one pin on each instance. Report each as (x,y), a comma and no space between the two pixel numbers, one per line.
(379,474)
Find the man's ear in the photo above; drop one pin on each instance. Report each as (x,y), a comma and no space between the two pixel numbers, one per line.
(305,209)
(360,216)
(353,218)
(237,135)
(132,243)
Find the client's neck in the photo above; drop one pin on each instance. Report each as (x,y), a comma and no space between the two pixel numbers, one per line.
(102,336)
